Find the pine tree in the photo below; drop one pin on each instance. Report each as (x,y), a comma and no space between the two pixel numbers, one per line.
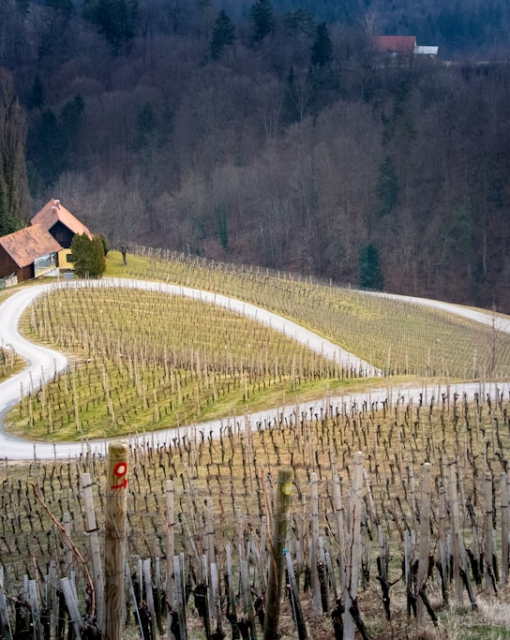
(14,197)
(65,6)
(37,97)
(224,34)
(88,256)
(370,272)
(322,50)
(116,21)
(261,14)
(387,187)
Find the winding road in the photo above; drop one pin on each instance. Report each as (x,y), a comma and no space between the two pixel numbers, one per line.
(43,363)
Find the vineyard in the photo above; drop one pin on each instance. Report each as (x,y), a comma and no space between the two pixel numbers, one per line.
(356,508)
(399,509)
(397,336)
(196,362)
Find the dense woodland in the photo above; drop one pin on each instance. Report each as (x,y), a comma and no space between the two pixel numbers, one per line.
(269,133)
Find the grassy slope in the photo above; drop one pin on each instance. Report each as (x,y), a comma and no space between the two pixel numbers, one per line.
(396,336)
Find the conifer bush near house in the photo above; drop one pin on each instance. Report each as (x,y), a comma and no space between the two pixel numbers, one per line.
(88,256)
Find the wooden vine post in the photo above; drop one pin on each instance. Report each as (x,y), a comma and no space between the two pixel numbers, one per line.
(423,561)
(504,529)
(353,551)
(95,551)
(277,562)
(116,507)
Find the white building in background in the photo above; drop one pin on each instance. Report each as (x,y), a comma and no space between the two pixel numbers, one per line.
(426,51)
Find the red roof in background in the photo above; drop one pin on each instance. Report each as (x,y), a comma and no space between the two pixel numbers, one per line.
(54,212)
(395,44)
(25,245)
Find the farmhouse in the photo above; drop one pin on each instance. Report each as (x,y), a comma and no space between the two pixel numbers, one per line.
(28,253)
(40,249)
(402,48)
(395,45)
(60,222)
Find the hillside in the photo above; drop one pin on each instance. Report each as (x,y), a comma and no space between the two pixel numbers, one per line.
(384,509)
(226,343)
(270,138)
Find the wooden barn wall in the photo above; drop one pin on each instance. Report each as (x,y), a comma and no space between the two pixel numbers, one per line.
(26,273)
(7,264)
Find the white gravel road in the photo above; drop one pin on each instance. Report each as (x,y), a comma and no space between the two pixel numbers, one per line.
(43,363)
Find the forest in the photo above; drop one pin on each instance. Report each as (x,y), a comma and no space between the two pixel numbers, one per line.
(269,133)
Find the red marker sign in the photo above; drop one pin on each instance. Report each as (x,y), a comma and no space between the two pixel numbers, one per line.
(120,471)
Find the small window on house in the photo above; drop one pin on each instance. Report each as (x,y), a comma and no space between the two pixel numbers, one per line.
(69,257)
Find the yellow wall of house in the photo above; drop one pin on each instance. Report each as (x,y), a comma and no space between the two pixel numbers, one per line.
(63,262)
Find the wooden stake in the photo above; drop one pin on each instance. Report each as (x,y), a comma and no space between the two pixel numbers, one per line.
(423,561)
(339,513)
(295,600)
(5,627)
(504,529)
(354,546)
(95,551)
(169,555)
(72,605)
(457,562)
(274,587)
(314,558)
(490,579)
(116,493)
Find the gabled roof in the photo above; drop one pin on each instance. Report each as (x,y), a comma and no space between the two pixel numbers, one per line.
(54,212)
(26,245)
(403,45)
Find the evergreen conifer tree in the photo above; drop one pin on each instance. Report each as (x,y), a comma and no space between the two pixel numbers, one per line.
(116,21)
(36,98)
(14,197)
(387,186)
(88,256)
(370,272)
(262,17)
(224,34)
(322,50)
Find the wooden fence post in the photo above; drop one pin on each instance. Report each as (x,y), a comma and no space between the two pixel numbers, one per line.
(277,561)
(314,556)
(170,549)
(95,551)
(295,601)
(339,513)
(116,507)
(457,563)
(5,626)
(504,529)
(354,546)
(490,578)
(423,561)
(72,605)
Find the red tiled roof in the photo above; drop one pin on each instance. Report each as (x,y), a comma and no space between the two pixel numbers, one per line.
(395,44)
(25,245)
(54,212)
